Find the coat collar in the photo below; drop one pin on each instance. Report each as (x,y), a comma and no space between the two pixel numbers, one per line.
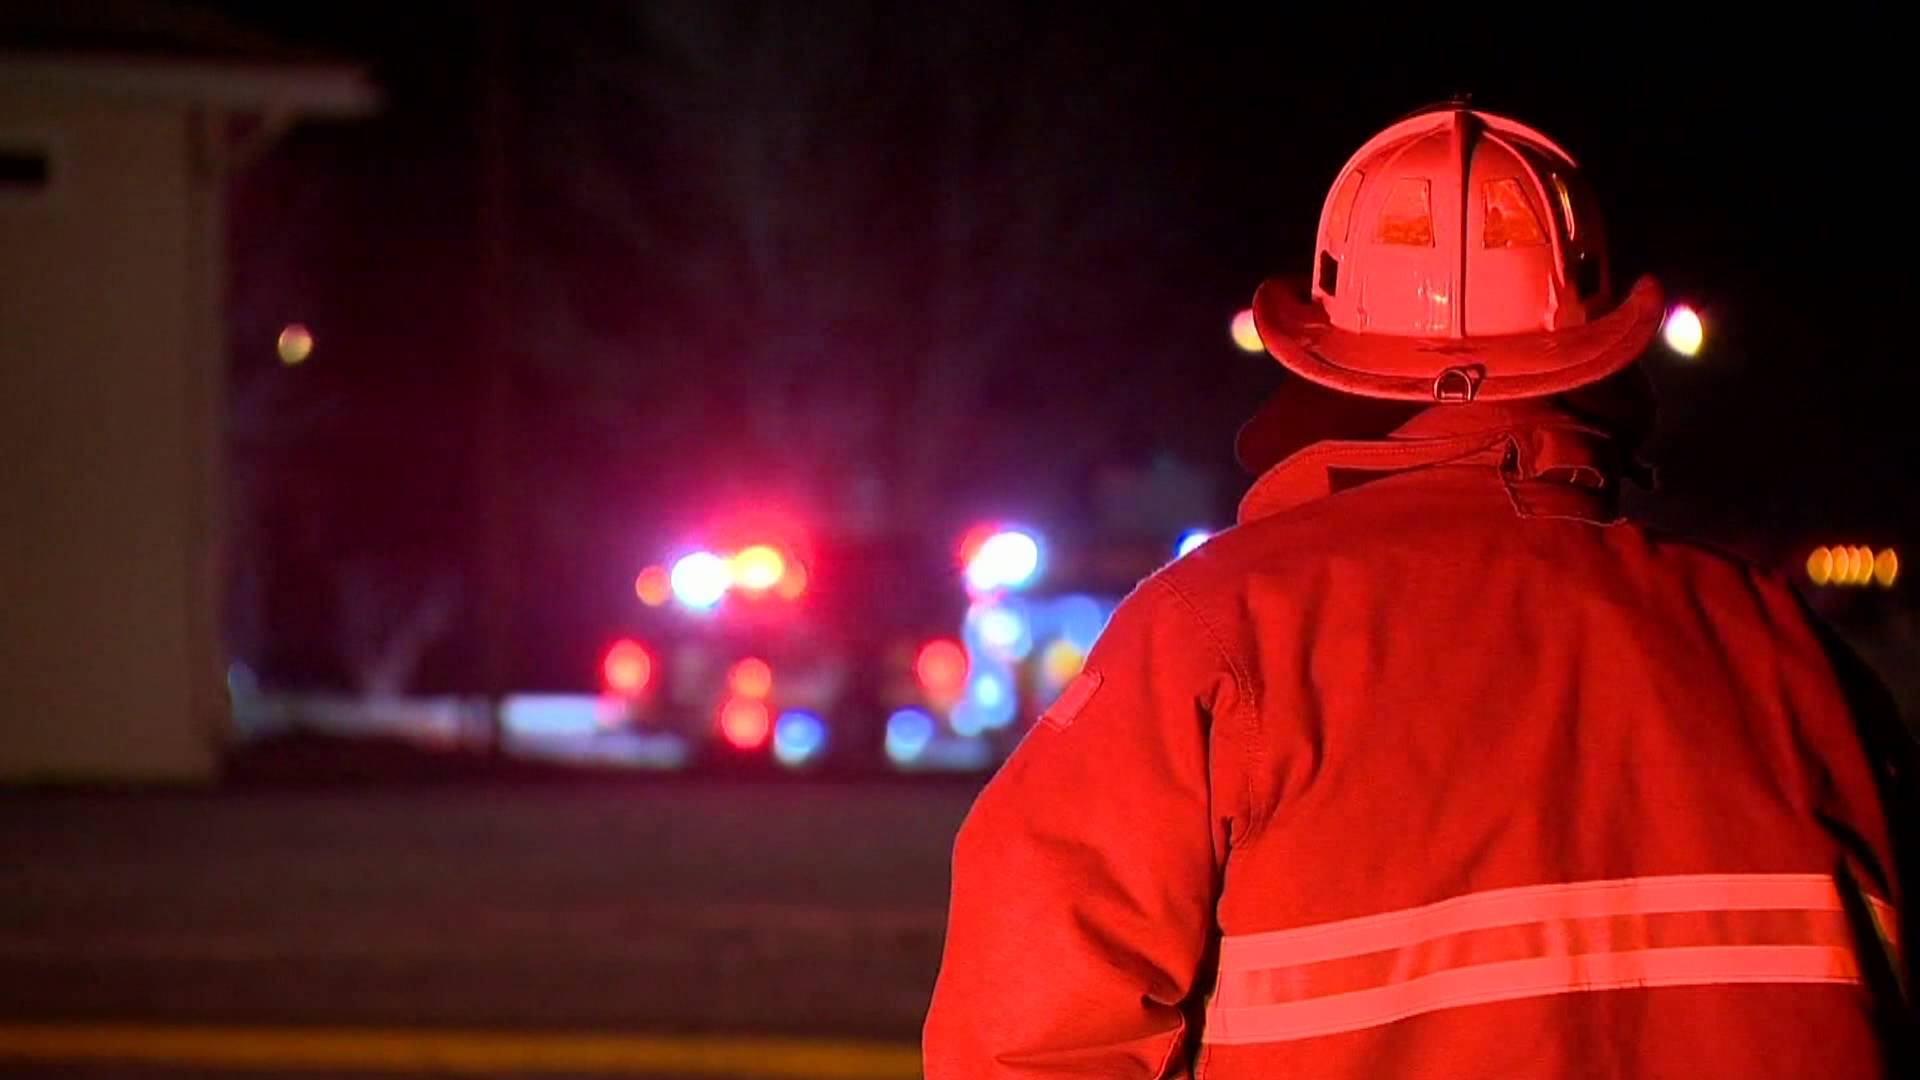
(1550,463)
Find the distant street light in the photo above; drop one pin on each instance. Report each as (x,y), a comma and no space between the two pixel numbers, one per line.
(1853,564)
(1246,333)
(1684,331)
(295,344)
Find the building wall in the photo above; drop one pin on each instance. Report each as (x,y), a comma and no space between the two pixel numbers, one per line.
(109,439)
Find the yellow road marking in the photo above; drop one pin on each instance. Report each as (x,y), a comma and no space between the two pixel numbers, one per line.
(467,1052)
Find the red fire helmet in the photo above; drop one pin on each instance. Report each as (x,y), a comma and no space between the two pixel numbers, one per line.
(1460,257)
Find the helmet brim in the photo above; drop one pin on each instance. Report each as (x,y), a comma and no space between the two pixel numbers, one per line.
(1297,333)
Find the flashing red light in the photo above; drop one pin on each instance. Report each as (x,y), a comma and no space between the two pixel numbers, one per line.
(975,539)
(744,722)
(792,583)
(654,586)
(627,668)
(941,668)
(751,678)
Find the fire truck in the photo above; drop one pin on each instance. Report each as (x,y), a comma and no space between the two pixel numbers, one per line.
(762,650)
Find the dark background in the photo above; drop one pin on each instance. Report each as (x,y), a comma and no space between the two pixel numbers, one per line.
(898,267)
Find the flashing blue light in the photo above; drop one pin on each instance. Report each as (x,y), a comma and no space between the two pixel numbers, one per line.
(968,720)
(1003,630)
(989,703)
(1191,539)
(241,679)
(989,691)
(1080,619)
(909,731)
(797,737)
(700,580)
(1007,560)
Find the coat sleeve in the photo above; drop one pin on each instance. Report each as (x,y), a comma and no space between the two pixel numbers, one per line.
(1893,753)
(1085,876)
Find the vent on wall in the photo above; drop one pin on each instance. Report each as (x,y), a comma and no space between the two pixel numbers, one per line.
(24,169)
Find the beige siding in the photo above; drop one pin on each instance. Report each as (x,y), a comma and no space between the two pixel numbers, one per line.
(109,377)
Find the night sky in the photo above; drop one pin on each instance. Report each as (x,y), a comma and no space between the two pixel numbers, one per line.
(961,261)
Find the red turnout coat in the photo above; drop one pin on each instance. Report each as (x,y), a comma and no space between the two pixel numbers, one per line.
(1449,772)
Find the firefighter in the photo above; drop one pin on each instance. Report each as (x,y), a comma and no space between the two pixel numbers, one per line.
(1433,765)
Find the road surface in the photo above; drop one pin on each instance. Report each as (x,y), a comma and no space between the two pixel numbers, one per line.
(652,909)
